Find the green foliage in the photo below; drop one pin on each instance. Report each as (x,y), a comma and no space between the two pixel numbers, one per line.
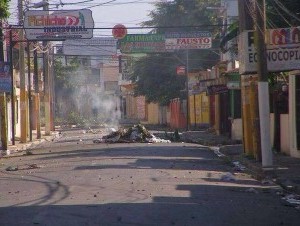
(4,9)
(155,74)
(63,74)
(183,15)
(75,118)
(156,78)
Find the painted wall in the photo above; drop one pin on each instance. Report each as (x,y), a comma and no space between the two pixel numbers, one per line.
(237,129)
(153,114)
(199,109)
(294,152)
(284,134)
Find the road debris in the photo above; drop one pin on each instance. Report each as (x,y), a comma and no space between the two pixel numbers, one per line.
(12,168)
(252,190)
(33,166)
(238,166)
(228,177)
(292,199)
(137,133)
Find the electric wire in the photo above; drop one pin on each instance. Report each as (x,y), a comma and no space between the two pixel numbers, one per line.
(285,9)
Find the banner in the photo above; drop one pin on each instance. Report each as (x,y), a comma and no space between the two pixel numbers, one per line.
(283,50)
(58,25)
(5,77)
(142,43)
(188,40)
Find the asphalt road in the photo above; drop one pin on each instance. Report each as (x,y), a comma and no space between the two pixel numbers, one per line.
(72,181)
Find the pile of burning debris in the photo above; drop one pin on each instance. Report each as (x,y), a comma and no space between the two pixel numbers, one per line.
(137,133)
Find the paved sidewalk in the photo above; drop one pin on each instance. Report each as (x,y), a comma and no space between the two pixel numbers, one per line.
(285,170)
(19,147)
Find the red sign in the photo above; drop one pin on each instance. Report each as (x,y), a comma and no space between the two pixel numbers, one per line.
(119,31)
(180,70)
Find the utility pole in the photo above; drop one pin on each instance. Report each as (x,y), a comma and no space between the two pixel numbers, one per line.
(1,42)
(23,102)
(3,120)
(46,80)
(187,92)
(29,90)
(12,92)
(263,86)
(37,94)
(248,87)
(3,114)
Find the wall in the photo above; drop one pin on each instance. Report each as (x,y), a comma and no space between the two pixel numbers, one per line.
(237,129)
(153,114)
(177,117)
(284,134)
(199,110)
(294,152)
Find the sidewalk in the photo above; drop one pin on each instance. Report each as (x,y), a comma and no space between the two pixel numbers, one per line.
(285,171)
(18,147)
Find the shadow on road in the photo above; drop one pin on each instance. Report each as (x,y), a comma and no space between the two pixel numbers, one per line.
(205,205)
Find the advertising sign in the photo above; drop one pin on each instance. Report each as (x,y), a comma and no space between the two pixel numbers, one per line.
(58,25)
(188,40)
(216,89)
(98,46)
(195,85)
(180,70)
(142,43)
(5,77)
(283,50)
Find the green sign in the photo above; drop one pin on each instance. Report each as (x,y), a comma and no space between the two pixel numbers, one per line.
(142,43)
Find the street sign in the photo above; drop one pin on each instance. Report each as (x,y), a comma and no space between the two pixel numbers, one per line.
(58,25)
(180,70)
(188,40)
(119,31)
(97,46)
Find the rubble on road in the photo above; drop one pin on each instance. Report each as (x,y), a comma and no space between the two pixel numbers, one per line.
(293,200)
(137,133)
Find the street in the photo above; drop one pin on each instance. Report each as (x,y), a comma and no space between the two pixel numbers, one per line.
(73,181)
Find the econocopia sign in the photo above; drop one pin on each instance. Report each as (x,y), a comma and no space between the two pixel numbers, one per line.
(58,25)
(283,50)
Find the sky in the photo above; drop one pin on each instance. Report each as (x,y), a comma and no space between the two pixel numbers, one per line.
(106,13)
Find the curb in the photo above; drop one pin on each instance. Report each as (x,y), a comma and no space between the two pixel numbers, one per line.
(18,149)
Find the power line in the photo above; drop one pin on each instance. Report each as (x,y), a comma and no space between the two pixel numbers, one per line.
(143,27)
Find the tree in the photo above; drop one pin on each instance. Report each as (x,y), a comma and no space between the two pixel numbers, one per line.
(156,73)
(63,73)
(4,9)
(64,82)
(4,13)
(156,79)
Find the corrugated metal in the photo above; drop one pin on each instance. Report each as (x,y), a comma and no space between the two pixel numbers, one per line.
(177,117)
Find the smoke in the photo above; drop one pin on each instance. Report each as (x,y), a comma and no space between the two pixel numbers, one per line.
(89,105)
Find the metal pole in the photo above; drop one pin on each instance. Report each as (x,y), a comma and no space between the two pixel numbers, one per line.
(263,86)
(46,82)
(187,92)
(37,94)
(23,93)
(12,93)
(29,90)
